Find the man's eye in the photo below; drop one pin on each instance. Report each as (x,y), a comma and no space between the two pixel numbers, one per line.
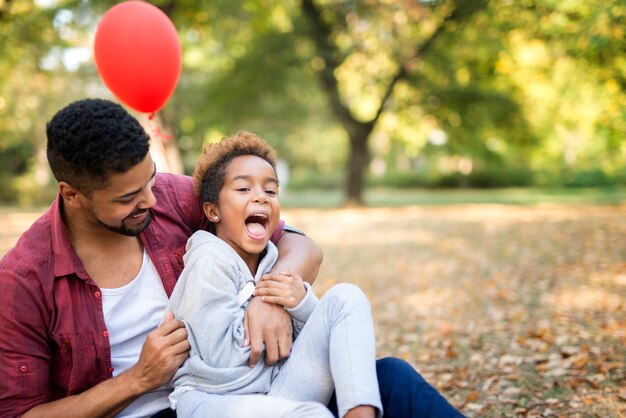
(126,202)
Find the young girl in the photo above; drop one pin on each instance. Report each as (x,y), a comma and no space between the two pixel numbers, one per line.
(236,179)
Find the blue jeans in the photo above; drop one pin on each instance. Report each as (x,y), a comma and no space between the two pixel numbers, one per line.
(405,394)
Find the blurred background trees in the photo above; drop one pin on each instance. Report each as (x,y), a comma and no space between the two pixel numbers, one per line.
(407,93)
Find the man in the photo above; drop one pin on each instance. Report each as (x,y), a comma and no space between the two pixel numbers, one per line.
(85,288)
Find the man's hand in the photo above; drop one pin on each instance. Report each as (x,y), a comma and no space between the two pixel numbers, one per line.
(164,350)
(162,353)
(270,325)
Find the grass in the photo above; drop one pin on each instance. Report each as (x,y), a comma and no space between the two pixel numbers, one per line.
(389,197)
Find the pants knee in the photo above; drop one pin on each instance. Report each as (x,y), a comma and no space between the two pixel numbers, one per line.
(405,393)
(349,294)
(392,371)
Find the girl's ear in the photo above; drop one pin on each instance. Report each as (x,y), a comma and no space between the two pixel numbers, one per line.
(211,211)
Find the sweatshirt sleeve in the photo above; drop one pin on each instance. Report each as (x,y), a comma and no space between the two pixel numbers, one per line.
(303,310)
(205,299)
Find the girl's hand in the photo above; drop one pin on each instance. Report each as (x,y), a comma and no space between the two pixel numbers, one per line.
(285,288)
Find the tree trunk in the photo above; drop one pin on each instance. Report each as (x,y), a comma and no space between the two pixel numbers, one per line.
(359,132)
(357,166)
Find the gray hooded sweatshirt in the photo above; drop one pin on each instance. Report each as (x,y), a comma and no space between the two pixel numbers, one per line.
(208,299)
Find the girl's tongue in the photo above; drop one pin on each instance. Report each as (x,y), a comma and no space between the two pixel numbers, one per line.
(255,230)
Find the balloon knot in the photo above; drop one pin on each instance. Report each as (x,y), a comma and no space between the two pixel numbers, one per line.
(156,130)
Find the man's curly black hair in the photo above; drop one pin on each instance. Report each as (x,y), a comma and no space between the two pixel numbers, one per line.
(91,139)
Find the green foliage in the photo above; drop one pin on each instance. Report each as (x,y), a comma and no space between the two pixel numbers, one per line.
(391,196)
(588,178)
(309,179)
(459,93)
(488,177)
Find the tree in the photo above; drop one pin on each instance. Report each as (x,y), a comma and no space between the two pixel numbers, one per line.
(28,93)
(455,92)
(398,22)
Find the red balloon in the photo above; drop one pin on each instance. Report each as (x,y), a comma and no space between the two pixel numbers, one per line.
(138,55)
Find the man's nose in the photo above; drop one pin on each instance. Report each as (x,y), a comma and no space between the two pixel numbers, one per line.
(148,200)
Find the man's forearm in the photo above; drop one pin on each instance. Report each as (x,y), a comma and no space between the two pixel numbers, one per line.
(300,254)
(106,399)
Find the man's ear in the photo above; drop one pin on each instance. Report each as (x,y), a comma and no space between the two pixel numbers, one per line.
(71,196)
(211,211)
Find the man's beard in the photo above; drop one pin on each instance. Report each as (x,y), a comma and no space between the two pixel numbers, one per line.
(123,229)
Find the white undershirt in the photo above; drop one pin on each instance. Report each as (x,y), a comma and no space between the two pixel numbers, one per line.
(130,313)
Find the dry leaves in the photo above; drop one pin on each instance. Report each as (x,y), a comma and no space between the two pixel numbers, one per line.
(508,310)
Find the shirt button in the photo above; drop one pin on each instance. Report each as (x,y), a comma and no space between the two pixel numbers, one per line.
(105,334)
(111,369)
(97,294)
(23,368)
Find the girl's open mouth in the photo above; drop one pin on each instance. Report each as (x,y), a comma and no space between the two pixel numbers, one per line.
(256,225)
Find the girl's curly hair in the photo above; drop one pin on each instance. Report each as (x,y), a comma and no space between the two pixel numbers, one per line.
(211,167)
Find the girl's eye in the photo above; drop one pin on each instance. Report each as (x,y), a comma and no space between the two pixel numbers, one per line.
(271,192)
(243,189)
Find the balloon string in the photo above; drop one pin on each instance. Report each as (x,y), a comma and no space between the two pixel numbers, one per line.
(156,130)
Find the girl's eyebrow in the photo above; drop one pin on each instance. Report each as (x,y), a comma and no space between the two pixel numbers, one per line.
(247,177)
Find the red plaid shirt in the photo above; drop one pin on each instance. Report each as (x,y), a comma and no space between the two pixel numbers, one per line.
(53,338)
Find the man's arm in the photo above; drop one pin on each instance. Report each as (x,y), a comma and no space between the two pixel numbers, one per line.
(163,352)
(268,324)
(103,400)
(298,253)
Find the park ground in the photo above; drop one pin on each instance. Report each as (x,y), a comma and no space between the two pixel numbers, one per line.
(508,310)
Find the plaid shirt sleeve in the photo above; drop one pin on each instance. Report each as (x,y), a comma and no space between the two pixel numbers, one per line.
(25,352)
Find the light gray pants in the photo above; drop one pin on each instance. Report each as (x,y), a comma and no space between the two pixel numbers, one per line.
(335,350)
